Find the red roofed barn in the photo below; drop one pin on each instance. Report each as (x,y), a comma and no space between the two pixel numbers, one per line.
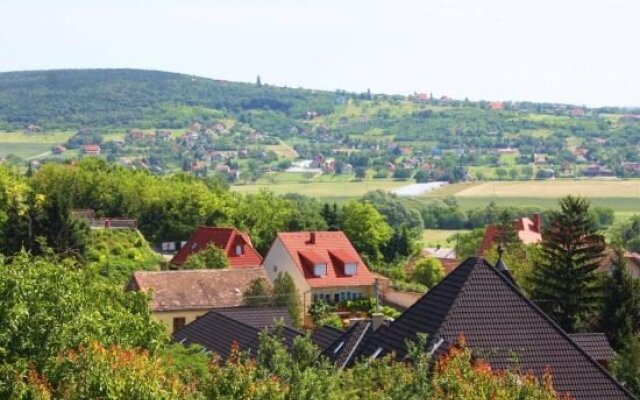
(237,246)
(323,265)
(529,231)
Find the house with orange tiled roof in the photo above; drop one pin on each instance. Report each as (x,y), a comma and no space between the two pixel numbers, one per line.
(236,245)
(528,230)
(323,265)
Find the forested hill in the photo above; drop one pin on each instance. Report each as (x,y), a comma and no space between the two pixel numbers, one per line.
(68,99)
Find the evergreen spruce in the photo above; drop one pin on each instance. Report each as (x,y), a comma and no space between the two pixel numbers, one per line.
(621,306)
(564,283)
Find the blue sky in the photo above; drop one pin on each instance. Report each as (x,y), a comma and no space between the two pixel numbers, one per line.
(581,52)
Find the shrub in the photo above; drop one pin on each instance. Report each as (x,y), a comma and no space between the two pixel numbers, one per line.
(428,271)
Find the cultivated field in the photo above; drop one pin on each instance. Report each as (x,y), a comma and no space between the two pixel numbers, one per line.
(323,190)
(623,196)
(555,189)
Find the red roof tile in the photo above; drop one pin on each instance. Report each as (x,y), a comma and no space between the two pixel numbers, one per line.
(528,229)
(224,238)
(334,248)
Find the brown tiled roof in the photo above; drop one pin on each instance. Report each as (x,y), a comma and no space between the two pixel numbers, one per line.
(225,239)
(594,344)
(195,289)
(330,248)
(501,326)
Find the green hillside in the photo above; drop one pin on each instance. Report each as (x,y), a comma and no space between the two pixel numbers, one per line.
(67,99)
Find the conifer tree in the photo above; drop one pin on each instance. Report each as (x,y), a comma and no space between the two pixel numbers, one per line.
(621,306)
(564,283)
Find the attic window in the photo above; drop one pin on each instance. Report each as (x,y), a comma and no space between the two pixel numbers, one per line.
(238,249)
(350,268)
(338,347)
(376,353)
(320,269)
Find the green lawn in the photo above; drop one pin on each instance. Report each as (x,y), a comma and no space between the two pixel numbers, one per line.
(440,237)
(23,150)
(51,138)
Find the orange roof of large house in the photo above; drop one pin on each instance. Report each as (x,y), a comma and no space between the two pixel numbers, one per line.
(331,248)
(224,238)
(195,289)
(529,231)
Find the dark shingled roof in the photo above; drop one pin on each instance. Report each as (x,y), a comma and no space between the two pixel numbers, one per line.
(218,330)
(258,317)
(325,336)
(343,351)
(595,344)
(501,326)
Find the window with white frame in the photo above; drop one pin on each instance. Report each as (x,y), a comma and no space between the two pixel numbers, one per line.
(350,268)
(320,269)
(238,249)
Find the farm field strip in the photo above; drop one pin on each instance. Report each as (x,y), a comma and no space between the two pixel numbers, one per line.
(555,189)
(324,190)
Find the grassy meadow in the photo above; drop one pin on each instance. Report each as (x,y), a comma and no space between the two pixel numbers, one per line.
(27,145)
(323,187)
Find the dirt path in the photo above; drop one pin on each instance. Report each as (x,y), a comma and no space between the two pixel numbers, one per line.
(47,153)
(291,149)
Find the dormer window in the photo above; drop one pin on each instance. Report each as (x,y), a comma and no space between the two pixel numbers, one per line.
(350,268)
(238,249)
(320,269)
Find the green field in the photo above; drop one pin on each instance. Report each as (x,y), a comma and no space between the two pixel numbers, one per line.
(23,150)
(337,190)
(439,237)
(30,145)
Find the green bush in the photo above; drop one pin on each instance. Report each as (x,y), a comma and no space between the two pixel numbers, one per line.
(428,271)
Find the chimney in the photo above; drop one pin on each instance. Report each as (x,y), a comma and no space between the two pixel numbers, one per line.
(537,222)
(377,320)
(312,238)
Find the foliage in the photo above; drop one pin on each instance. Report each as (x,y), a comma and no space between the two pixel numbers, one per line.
(625,366)
(117,253)
(97,372)
(258,294)
(36,222)
(404,286)
(621,303)
(114,98)
(467,244)
(53,305)
(521,260)
(564,283)
(285,294)
(626,234)
(331,319)
(366,228)
(428,271)
(211,257)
